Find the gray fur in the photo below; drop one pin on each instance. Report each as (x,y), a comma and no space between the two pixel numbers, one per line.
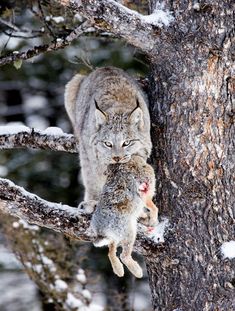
(117,119)
(121,203)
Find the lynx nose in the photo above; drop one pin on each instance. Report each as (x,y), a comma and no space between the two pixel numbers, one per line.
(116,159)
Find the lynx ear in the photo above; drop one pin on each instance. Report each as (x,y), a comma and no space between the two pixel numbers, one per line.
(101,116)
(136,116)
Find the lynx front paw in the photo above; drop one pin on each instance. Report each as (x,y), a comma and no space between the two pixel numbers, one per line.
(87,207)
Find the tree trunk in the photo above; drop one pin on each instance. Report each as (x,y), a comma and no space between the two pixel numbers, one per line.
(191,90)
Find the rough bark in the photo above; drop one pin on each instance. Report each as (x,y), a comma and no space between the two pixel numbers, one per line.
(192,86)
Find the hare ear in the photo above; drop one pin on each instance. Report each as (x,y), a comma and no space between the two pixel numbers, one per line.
(101,116)
(136,116)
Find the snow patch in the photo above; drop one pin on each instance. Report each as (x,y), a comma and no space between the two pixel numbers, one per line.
(60,285)
(93,307)
(38,268)
(228,249)
(53,130)
(158,233)
(78,17)
(73,302)
(58,19)
(81,277)
(15,225)
(13,128)
(196,6)
(3,171)
(160,17)
(86,294)
(48,262)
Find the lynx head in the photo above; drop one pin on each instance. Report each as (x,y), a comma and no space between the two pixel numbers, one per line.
(120,135)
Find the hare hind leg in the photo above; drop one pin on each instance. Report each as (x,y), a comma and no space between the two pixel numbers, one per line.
(132,265)
(115,261)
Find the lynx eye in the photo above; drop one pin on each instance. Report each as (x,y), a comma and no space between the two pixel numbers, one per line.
(126,143)
(108,144)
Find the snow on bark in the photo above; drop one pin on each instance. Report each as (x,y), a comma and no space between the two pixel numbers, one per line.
(21,136)
(228,249)
(157,233)
(108,15)
(160,17)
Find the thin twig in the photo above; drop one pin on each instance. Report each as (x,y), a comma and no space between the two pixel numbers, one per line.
(9,24)
(45,21)
(37,50)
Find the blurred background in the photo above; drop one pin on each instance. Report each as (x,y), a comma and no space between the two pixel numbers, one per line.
(31,93)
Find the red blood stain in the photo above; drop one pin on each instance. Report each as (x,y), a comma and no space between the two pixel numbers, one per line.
(144,187)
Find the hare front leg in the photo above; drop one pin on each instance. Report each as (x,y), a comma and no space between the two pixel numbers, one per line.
(153,219)
(115,262)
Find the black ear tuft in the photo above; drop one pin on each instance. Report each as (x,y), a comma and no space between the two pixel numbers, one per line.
(136,115)
(100,115)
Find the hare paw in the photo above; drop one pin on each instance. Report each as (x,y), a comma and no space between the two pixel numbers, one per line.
(118,269)
(136,270)
(133,266)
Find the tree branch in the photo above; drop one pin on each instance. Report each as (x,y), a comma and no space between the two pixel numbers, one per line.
(138,30)
(23,137)
(16,201)
(141,31)
(37,50)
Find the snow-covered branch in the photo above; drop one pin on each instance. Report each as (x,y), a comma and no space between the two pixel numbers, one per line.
(62,218)
(20,136)
(139,30)
(16,201)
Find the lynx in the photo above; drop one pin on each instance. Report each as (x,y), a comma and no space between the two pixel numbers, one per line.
(110,118)
(129,187)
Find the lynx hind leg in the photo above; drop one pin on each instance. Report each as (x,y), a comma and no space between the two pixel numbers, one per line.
(132,265)
(153,220)
(115,261)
